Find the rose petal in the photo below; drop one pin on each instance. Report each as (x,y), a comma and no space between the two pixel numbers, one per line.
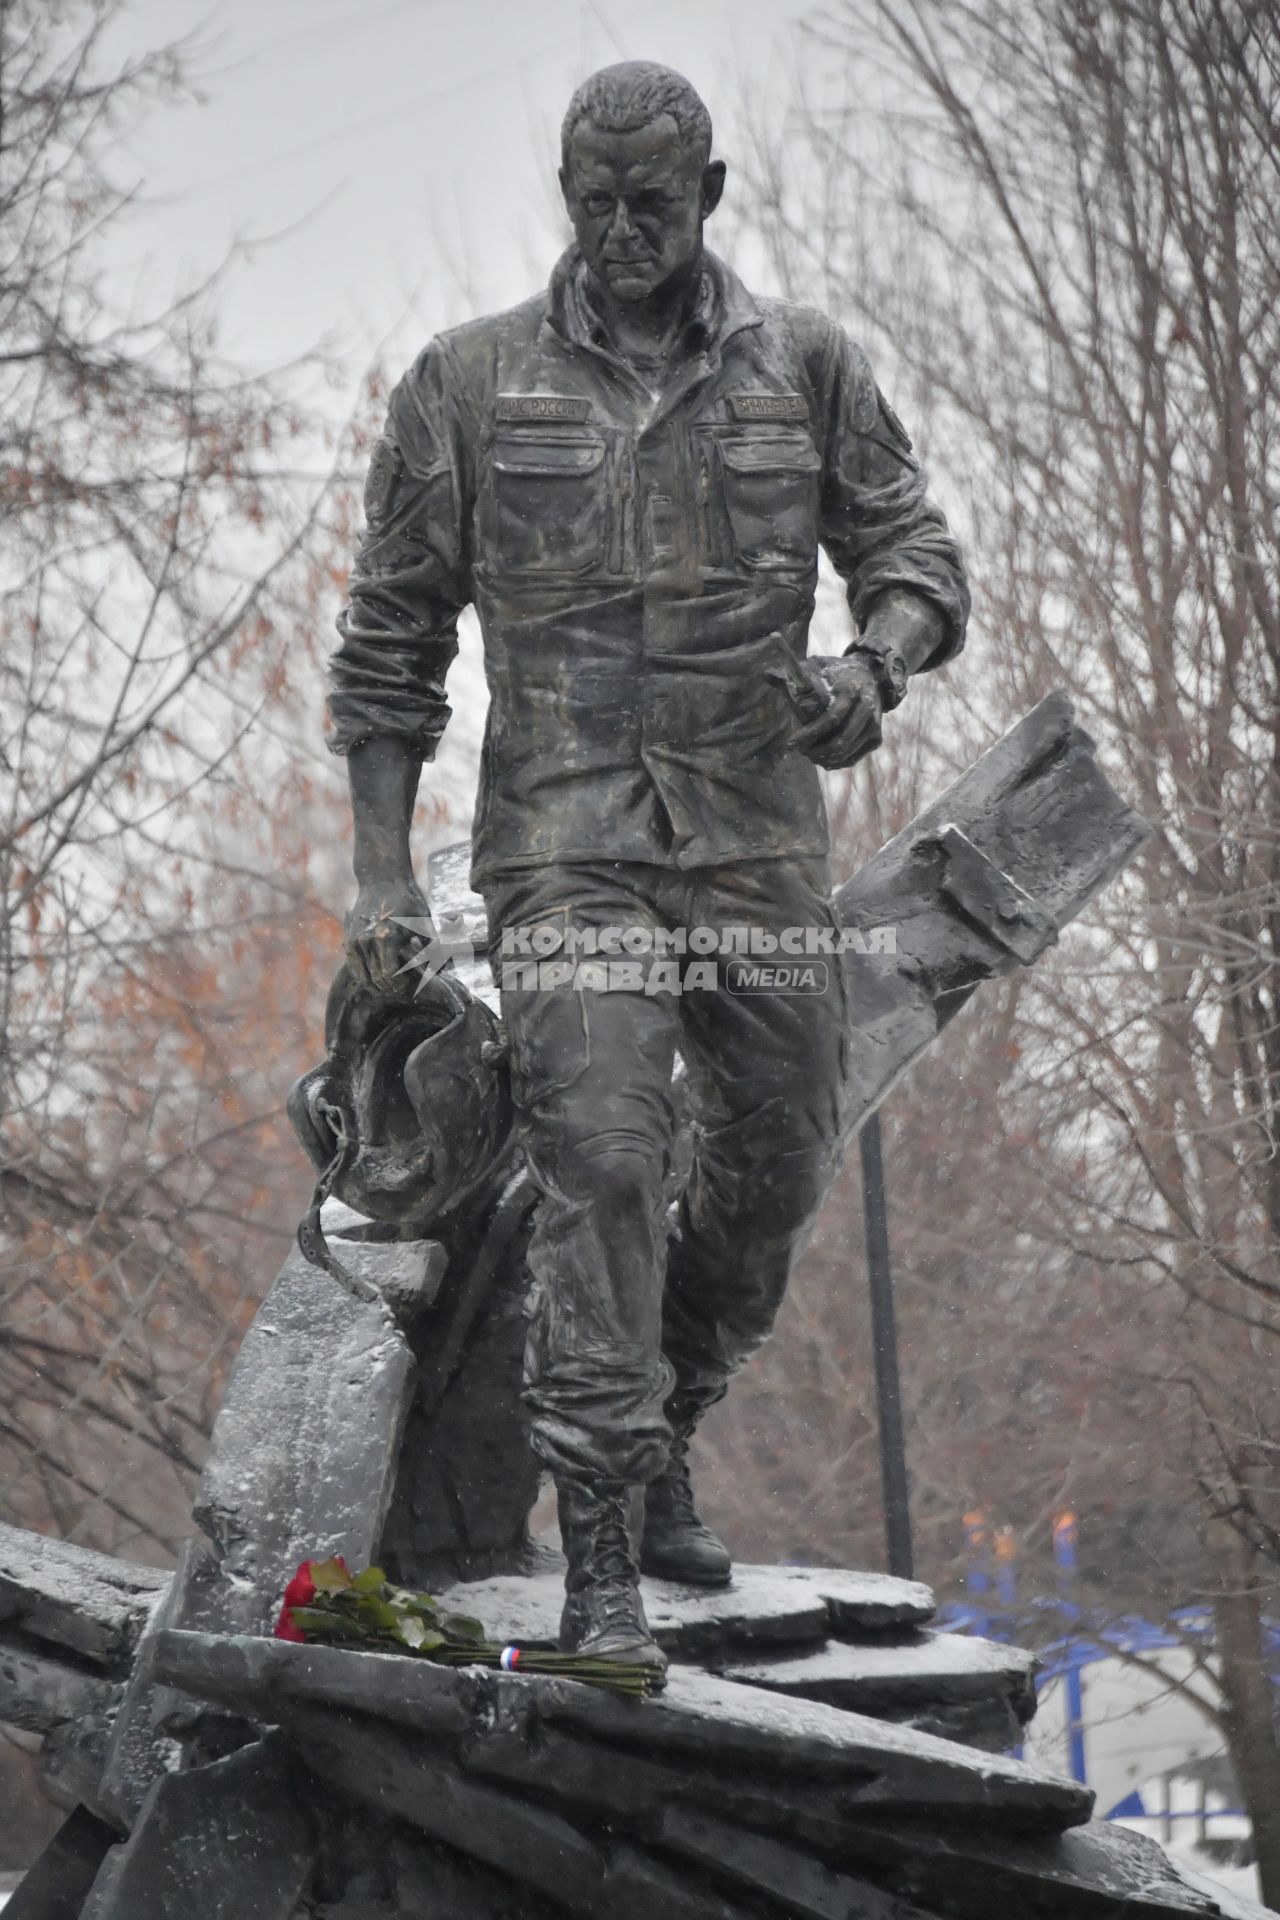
(301,1590)
(286,1629)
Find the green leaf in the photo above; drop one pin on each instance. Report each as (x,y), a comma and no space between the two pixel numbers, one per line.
(459,1627)
(370,1581)
(418,1638)
(329,1576)
(373,1611)
(419,1603)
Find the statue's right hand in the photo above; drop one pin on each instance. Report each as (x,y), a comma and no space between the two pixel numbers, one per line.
(379,946)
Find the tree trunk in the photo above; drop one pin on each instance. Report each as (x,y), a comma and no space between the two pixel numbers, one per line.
(1249,1710)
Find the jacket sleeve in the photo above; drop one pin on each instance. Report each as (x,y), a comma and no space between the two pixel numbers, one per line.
(412,573)
(878,525)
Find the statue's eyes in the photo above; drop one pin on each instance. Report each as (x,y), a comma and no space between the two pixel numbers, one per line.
(597,205)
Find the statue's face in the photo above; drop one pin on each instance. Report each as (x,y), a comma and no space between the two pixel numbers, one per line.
(637,202)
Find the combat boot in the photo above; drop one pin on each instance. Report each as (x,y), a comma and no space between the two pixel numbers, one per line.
(603,1612)
(677,1545)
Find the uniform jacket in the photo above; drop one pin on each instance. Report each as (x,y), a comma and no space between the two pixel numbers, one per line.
(635,564)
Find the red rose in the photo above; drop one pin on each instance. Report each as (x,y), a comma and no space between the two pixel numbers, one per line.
(300,1592)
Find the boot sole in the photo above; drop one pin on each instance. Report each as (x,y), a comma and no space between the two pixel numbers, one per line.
(642,1654)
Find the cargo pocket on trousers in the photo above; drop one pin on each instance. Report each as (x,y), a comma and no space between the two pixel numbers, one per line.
(548,1042)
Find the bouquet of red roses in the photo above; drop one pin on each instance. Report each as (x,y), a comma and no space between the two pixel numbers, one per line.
(326,1603)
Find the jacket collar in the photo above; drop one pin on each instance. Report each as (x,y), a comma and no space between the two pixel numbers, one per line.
(722,307)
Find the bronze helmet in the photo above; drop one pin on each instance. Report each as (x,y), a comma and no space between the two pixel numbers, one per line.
(411,1109)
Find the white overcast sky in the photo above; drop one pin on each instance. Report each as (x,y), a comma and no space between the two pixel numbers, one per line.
(403,150)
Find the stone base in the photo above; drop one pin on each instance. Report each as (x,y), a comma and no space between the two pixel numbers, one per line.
(794,1769)
(791,1769)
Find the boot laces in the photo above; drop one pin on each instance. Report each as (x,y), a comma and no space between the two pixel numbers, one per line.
(679,1483)
(609,1573)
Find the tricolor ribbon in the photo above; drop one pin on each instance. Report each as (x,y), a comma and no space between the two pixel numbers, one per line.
(508,1659)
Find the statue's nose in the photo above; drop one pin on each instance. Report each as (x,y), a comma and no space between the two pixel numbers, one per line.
(620,227)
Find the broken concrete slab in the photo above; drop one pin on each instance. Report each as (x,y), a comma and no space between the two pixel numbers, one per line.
(382,1870)
(137,1753)
(1094,1872)
(217,1843)
(991,1724)
(704,1717)
(864,1603)
(630,1792)
(794,1838)
(638,1887)
(687,1621)
(559,1867)
(56,1885)
(397,1774)
(988,896)
(806,1888)
(774,1802)
(405,1273)
(1038,819)
(74,1598)
(763,1606)
(376,1869)
(248,1675)
(39,1693)
(1230,1904)
(301,1464)
(700,1722)
(947,1683)
(72,1761)
(303,1453)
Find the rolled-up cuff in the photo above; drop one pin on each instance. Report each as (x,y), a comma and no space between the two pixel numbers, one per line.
(353,721)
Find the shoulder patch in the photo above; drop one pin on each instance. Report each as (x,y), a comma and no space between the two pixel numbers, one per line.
(542,406)
(385,469)
(768,406)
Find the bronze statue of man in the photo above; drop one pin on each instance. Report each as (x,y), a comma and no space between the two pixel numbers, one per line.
(630,476)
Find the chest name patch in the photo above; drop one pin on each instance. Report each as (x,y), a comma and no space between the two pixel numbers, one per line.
(768,406)
(542,406)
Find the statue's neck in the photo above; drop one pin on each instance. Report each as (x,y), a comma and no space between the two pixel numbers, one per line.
(648,329)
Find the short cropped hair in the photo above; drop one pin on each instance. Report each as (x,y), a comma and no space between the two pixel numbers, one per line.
(633,94)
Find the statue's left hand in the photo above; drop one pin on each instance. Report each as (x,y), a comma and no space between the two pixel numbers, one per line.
(380,947)
(849,725)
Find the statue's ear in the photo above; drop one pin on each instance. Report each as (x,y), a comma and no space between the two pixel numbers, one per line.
(712,186)
(563,177)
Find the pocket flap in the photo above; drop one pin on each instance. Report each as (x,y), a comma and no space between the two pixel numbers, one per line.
(768,453)
(548,457)
(539,938)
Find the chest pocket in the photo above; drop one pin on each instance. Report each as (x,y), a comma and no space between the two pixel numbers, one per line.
(549,506)
(770,484)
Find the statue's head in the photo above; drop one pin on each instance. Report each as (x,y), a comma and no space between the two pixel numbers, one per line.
(637,176)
